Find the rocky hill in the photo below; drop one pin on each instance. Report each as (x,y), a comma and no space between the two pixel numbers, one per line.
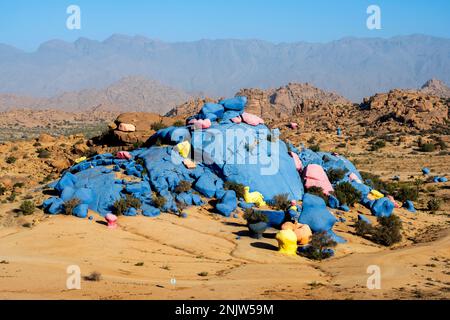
(437,88)
(129,94)
(280,103)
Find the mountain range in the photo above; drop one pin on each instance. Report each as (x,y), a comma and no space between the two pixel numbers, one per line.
(352,67)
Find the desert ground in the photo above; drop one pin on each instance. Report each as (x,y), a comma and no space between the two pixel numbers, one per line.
(207,256)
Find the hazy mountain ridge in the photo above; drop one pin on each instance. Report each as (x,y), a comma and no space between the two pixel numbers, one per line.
(353,67)
(129,94)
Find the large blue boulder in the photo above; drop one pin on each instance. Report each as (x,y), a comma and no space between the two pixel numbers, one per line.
(275,217)
(67,180)
(236,104)
(315,214)
(227,204)
(382,207)
(212,111)
(409,205)
(81,211)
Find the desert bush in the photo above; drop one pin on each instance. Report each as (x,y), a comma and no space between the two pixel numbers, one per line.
(319,247)
(281,202)
(178,123)
(27,207)
(239,188)
(315,147)
(386,233)
(335,175)
(121,205)
(70,205)
(341,145)
(159,201)
(43,154)
(37,144)
(427,147)
(10,159)
(406,191)
(362,228)
(254,217)
(434,205)
(347,194)
(377,145)
(18,185)
(317,191)
(158,126)
(94,276)
(183,186)
(2,190)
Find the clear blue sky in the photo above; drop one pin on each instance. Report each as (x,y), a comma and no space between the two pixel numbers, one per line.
(26,24)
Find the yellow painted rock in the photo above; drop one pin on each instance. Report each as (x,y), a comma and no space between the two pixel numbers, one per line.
(287,242)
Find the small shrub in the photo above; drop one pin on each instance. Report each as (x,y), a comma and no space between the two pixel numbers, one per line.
(183,186)
(427,147)
(377,145)
(2,190)
(70,205)
(94,276)
(203,274)
(347,194)
(406,192)
(362,228)
(37,144)
(18,185)
(158,126)
(318,191)
(319,247)
(178,123)
(386,233)
(27,207)
(281,202)
(315,147)
(43,154)
(254,217)
(121,205)
(159,201)
(434,205)
(236,187)
(335,175)
(10,160)
(139,264)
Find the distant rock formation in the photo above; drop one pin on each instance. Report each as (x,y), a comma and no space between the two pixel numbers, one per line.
(409,108)
(437,88)
(136,94)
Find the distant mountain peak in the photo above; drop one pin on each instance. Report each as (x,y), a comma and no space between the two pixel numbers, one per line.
(436,87)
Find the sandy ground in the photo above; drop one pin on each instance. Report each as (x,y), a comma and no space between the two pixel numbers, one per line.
(206,256)
(140,259)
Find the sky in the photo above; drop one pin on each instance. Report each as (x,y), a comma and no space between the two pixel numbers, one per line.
(27,24)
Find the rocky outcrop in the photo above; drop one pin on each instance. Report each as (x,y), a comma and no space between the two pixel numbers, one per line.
(437,88)
(142,122)
(413,109)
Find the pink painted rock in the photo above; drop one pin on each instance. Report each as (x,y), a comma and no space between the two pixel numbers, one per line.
(315,176)
(354,177)
(237,120)
(125,155)
(112,220)
(396,205)
(127,127)
(201,123)
(293,125)
(297,161)
(251,119)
